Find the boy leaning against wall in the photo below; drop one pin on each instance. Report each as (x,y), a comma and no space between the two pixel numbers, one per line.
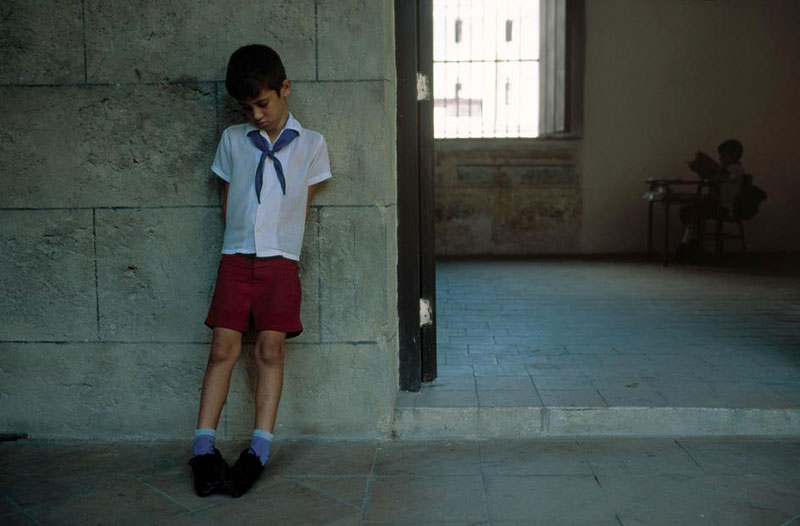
(269,169)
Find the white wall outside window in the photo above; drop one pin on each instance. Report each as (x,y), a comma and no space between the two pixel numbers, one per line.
(484,85)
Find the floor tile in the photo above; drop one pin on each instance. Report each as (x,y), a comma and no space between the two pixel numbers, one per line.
(571,398)
(758,493)
(434,398)
(512,359)
(455,370)
(346,490)
(611,521)
(128,502)
(559,381)
(512,340)
(471,359)
(590,348)
(532,457)
(482,340)
(739,394)
(680,499)
(743,457)
(283,501)
(457,498)
(8,506)
(428,458)
(508,398)
(189,518)
(635,456)
(500,370)
(178,486)
(492,348)
(451,383)
(17,519)
(427,523)
(504,383)
(134,458)
(307,457)
(547,350)
(631,394)
(32,490)
(510,498)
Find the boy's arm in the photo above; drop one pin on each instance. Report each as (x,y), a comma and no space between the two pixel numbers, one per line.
(224,203)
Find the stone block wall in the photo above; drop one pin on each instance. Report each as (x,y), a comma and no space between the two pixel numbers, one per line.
(110,225)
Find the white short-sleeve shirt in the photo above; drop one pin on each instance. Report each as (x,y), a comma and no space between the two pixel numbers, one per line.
(275,227)
(732,186)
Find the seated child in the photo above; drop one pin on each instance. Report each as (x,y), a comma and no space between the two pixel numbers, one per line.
(729,175)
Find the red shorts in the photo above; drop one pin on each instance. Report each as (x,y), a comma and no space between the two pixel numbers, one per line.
(257,294)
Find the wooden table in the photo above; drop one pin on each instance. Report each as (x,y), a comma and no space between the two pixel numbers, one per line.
(667,192)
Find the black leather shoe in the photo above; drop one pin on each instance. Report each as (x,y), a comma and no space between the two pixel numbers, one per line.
(210,472)
(243,473)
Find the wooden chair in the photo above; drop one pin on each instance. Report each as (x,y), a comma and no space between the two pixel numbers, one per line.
(723,217)
(720,235)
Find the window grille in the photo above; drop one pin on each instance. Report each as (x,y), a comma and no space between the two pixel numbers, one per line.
(486,68)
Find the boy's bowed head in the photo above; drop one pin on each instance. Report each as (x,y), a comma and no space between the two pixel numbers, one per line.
(257,79)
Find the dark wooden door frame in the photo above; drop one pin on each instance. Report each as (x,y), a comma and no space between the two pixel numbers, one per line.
(415,255)
(426,188)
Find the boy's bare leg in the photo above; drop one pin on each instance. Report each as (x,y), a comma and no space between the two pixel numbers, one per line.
(226,346)
(268,352)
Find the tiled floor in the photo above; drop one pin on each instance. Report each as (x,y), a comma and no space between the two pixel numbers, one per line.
(486,482)
(615,333)
(513,333)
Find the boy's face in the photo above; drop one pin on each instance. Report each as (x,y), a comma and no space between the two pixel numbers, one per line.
(269,109)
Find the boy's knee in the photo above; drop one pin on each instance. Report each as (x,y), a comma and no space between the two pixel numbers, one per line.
(225,349)
(268,352)
(221,353)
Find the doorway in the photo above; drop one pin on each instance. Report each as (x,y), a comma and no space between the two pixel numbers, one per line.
(557,110)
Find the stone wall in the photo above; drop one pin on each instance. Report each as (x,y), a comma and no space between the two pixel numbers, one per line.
(110,225)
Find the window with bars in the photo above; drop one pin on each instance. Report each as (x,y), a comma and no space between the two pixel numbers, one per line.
(498,68)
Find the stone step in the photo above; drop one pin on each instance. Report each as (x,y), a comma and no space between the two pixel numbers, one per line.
(593,422)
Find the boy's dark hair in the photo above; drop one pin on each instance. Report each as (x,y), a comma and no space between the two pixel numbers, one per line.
(731,147)
(253,68)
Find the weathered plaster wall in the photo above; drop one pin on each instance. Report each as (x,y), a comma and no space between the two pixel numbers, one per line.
(662,80)
(502,197)
(110,227)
